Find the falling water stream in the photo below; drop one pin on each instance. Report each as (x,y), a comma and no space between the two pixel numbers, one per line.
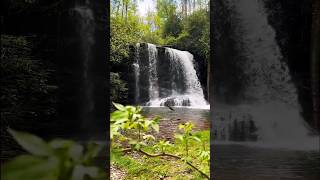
(172,78)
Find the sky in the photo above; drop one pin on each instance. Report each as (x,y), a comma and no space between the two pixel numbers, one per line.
(145,5)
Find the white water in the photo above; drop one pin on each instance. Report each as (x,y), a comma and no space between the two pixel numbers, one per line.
(153,79)
(181,65)
(86,31)
(275,109)
(137,73)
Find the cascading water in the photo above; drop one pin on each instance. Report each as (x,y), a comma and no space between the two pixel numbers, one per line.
(166,76)
(271,113)
(136,70)
(86,31)
(153,75)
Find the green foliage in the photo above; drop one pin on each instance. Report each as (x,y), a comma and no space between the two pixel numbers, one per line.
(55,160)
(118,88)
(186,136)
(123,33)
(129,117)
(170,20)
(163,145)
(195,34)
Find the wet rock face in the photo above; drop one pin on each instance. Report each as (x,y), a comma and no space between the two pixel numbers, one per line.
(164,76)
(234,126)
(171,102)
(144,72)
(227,73)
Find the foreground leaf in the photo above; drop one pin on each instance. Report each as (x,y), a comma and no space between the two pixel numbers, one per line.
(118,106)
(27,167)
(31,143)
(80,172)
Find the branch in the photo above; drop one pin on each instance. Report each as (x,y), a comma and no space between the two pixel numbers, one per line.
(176,157)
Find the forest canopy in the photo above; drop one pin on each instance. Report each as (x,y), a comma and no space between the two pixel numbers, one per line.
(182,24)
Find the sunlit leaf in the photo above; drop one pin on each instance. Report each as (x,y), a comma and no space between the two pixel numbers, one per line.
(117,116)
(155,127)
(179,137)
(119,106)
(195,138)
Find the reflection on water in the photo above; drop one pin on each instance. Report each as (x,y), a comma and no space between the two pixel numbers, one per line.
(170,119)
(244,162)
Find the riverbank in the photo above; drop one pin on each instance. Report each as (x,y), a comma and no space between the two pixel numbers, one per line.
(136,165)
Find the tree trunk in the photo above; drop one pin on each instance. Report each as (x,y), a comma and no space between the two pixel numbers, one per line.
(122,13)
(185,8)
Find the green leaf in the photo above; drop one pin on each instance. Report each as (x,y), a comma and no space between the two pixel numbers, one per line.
(80,171)
(155,127)
(60,143)
(119,116)
(131,109)
(148,122)
(73,149)
(179,137)
(76,152)
(181,126)
(27,167)
(93,151)
(118,106)
(137,146)
(156,119)
(31,143)
(195,138)
(186,159)
(114,131)
(138,110)
(204,155)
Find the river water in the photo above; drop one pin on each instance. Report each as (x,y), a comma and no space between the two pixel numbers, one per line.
(243,162)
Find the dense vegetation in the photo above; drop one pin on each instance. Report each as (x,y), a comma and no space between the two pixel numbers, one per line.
(182,24)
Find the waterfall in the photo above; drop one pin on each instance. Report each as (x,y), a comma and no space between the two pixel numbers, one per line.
(166,76)
(271,113)
(86,30)
(136,70)
(153,78)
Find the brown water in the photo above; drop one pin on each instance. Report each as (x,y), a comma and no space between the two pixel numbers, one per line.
(171,119)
